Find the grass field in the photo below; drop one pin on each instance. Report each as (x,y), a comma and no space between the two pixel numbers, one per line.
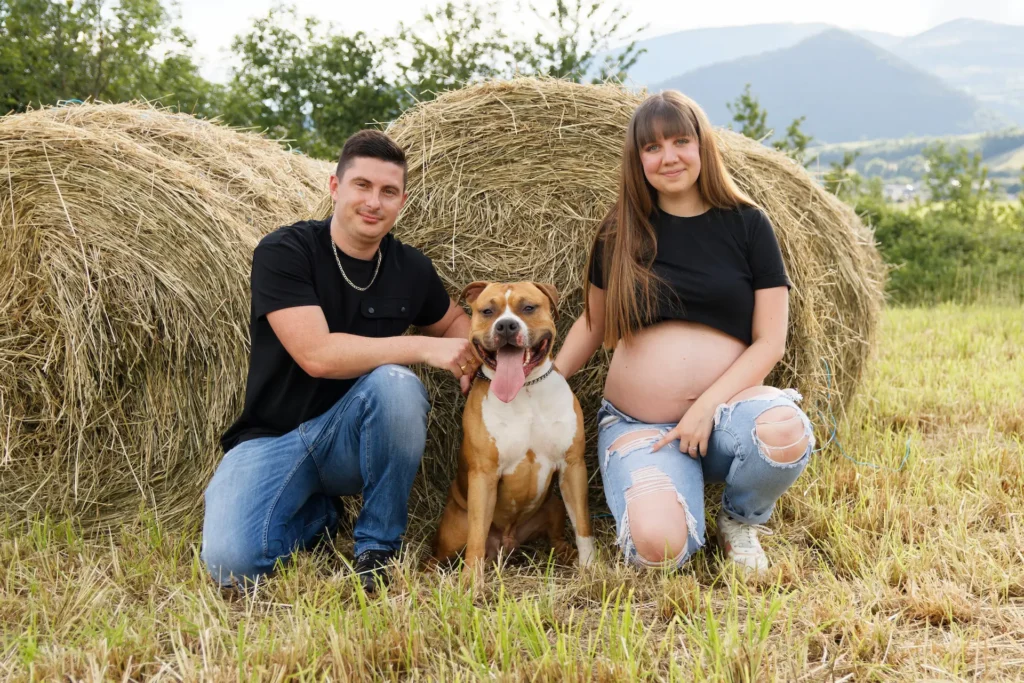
(878,574)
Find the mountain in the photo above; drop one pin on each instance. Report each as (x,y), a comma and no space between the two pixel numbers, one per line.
(886,41)
(676,53)
(983,58)
(847,87)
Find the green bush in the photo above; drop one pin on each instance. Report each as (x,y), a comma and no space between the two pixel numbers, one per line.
(940,256)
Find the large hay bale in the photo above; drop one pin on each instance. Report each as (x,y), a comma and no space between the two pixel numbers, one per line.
(508,181)
(126,237)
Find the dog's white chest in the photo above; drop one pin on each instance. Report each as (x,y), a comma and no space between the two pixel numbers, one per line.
(539,419)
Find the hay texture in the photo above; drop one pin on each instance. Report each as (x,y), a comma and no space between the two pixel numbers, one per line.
(509,180)
(126,238)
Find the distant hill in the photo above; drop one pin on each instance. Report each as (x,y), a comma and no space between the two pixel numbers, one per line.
(984,58)
(676,53)
(901,159)
(847,87)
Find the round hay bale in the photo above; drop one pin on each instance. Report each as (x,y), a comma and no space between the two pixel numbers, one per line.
(126,238)
(509,180)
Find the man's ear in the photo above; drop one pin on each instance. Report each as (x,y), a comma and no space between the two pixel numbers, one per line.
(472,291)
(552,294)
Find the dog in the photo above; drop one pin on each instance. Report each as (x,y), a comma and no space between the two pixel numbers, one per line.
(521,424)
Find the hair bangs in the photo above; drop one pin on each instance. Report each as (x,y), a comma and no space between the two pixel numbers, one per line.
(661,118)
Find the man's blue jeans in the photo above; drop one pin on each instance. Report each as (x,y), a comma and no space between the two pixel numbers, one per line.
(271,496)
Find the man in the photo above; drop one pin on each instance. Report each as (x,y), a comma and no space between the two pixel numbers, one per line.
(330,407)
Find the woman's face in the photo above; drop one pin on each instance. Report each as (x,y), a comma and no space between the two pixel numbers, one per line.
(671,164)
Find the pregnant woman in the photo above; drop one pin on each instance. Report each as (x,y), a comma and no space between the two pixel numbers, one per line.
(686,283)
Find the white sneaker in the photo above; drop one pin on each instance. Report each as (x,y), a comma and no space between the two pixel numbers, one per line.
(739,541)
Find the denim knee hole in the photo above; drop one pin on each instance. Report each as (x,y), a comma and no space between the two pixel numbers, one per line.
(643,481)
(764,449)
(626,446)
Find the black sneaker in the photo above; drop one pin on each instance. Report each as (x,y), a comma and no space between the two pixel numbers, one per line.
(371,568)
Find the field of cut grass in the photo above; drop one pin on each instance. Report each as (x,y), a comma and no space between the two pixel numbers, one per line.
(879,572)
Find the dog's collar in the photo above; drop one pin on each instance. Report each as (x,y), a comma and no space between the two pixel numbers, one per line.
(480,375)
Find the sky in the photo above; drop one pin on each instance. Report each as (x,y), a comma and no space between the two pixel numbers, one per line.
(213,23)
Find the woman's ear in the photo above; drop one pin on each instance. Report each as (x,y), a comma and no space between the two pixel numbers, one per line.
(552,294)
(472,291)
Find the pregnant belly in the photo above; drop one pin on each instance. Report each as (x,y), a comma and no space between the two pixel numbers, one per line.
(665,368)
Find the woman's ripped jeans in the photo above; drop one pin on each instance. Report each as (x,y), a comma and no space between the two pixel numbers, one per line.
(744,451)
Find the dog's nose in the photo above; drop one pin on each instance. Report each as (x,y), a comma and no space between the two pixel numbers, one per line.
(506,327)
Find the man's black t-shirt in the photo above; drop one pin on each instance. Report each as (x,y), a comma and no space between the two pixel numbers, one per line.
(712,263)
(295,266)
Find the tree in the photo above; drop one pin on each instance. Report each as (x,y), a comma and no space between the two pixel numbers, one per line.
(310,86)
(461,43)
(575,33)
(841,179)
(451,46)
(957,181)
(747,111)
(88,49)
(796,141)
(315,85)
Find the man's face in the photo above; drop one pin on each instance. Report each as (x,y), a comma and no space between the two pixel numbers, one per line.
(368,197)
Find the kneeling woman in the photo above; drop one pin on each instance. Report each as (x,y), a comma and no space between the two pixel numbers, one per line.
(687,284)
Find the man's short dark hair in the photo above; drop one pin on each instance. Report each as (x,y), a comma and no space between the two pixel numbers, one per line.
(372,144)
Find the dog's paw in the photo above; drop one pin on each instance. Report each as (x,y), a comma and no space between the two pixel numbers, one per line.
(587,551)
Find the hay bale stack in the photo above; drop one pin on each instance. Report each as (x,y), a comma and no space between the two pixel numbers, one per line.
(508,181)
(126,237)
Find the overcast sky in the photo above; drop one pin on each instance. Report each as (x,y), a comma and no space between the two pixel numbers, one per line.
(213,23)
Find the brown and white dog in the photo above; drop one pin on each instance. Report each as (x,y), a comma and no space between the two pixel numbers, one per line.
(521,425)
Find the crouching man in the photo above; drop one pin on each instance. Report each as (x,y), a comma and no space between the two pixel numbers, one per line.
(330,407)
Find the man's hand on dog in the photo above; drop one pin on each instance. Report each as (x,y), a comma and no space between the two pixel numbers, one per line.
(454,355)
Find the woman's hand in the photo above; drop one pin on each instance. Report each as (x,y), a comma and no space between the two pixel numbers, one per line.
(693,431)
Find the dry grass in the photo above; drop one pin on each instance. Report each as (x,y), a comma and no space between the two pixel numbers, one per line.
(508,181)
(878,574)
(126,237)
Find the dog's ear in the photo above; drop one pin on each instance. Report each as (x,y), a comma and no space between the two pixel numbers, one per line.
(472,291)
(552,294)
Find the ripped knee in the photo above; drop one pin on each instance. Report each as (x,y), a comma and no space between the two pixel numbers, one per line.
(782,434)
(633,441)
(657,524)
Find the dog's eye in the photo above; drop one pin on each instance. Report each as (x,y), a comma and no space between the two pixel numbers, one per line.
(529,308)
(487,311)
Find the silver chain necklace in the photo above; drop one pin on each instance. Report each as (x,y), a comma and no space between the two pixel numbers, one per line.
(350,283)
(480,374)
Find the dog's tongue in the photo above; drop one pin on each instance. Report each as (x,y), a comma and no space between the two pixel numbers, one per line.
(509,377)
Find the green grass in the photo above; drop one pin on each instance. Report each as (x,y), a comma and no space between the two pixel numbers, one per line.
(877,574)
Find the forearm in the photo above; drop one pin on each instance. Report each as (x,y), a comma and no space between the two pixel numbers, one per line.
(345,356)
(579,345)
(749,370)
(459,329)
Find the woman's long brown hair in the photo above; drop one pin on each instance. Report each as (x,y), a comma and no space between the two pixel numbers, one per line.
(628,236)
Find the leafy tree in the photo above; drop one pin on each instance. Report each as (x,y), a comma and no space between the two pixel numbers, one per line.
(453,45)
(747,111)
(957,181)
(796,141)
(315,85)
(575,33)
(54,50)
(463,42)
(314,88)
(841,179)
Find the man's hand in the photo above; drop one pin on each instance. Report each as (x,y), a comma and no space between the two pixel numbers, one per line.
(454,355)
